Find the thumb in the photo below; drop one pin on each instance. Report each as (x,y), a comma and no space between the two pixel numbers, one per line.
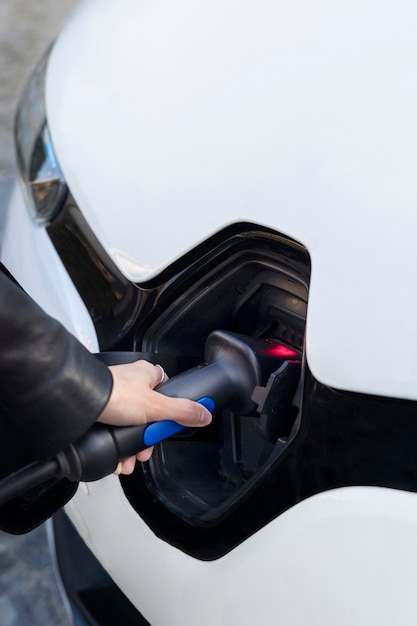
(181,410)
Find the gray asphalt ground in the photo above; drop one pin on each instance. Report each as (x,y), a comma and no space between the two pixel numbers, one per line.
(28,591)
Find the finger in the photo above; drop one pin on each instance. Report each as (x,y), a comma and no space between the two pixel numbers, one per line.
(181,410)
(155,374)
(164,375)
(126,466)
(145,455)
(118,469)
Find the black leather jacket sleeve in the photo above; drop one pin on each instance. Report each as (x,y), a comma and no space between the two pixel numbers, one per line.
(51,388)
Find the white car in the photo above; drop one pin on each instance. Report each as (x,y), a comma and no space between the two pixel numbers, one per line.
(247,167)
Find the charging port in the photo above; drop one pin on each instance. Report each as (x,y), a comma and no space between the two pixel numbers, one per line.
(196,480)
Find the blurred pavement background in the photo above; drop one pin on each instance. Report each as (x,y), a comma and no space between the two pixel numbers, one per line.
(28,591)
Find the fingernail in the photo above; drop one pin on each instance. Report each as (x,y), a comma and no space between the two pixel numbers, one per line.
(205,417)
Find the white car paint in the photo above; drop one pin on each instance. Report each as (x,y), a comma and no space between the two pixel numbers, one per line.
(172,120)
(344,557)
(37,267)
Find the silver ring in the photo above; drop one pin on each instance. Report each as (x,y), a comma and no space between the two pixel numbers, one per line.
(162,373)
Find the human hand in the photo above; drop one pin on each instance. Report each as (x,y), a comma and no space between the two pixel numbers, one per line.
(133,401)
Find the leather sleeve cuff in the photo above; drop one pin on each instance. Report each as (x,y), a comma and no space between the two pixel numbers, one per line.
(52,389)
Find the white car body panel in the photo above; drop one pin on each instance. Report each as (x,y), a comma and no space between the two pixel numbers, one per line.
(344,557)
(299,116)
(37,267)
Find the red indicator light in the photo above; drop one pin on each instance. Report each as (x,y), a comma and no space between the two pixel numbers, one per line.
(283,352)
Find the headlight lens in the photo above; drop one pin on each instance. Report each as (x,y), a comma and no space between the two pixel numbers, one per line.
(43,182)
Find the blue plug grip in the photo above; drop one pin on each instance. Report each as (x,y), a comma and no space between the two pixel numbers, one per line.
(156,432)
(208,403)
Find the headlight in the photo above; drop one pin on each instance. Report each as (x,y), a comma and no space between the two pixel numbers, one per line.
(43,182)
(110,298)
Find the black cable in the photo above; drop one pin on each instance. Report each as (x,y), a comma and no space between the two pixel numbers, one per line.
(27,478)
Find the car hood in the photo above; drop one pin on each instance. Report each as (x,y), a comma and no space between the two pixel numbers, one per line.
(173,120)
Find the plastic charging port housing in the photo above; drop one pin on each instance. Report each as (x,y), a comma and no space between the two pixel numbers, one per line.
(204,476)
(197,480)
(229,457)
